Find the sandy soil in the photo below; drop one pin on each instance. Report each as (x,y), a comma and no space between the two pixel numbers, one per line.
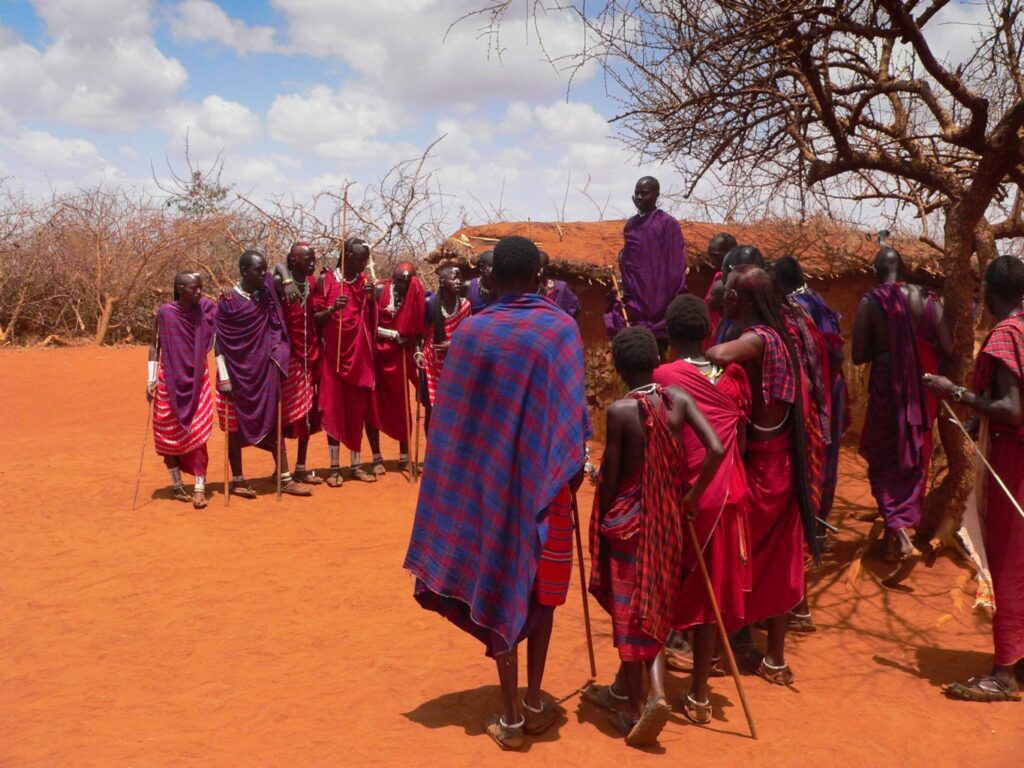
(285,633)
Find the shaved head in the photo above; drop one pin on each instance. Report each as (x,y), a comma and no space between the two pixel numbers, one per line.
(649,181)
(888,264)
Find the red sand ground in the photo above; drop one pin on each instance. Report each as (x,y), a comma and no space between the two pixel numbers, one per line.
(285,634)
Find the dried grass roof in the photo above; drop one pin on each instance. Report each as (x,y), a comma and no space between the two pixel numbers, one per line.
(588,250)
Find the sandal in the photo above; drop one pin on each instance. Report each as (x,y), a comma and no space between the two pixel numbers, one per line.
(378,467)
(539,720)
(334,479)
(508,737)
(696,712)
(242,489)
(295,488)
(778,675)
(604,697)
(984,688)
(646,730)
(361,474)
(180,493)
(801,622)
(199,500)
(307,478)
(717,670)
(680,658)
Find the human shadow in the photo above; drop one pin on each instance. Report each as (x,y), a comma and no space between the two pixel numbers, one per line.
(469,708)
(941,666)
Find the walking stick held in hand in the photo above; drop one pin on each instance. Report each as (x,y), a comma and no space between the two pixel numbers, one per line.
(341,267)
(142,453)
(406,411)
(618,295)
(722,634)
(583,586)
(280,440)
(227,450)
(416,436)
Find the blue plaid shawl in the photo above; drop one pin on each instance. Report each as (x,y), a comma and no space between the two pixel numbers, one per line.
(507,432)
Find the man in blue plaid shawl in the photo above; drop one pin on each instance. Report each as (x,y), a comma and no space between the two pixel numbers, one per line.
(491,544)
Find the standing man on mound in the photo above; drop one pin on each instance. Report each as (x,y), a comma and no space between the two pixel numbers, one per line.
(252,361)
(780,513)
(652,264)
(900,330)
(637,532)
(344,304)
(180,384)
(401,318)
(491,545)
(996,398)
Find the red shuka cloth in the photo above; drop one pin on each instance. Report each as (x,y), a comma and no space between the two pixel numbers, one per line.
(391,412)
(299,393)
(721,522)
(171,438)
(345,397)
(656,525)
(1003,524)
(776,531)
(433,362)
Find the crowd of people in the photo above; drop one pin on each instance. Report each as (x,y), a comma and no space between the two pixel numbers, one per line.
(724,452)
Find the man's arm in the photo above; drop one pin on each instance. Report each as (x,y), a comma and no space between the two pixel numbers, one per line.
(747,347)
(611,462)
(943,335)
(1006,409)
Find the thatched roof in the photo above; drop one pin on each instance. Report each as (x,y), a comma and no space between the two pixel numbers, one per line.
(587,251)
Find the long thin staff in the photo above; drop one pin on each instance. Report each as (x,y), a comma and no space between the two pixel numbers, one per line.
(406,412)
(583,586)
(416,436)
(142,453)
(722,634)
(618,295)
(227,451)
(341,265)
(280,439)
(981,456)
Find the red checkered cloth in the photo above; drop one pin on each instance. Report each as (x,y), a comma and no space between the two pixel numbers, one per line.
(433,361)
(1004,344)
(555,567)
(777,379)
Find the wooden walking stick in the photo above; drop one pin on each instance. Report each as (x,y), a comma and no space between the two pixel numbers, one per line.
(280,440)
(142,453)
(980,455)
(227,451)
(618,295)
(341,267)
(723,636)
(416,436)
(406,411)
(583,587)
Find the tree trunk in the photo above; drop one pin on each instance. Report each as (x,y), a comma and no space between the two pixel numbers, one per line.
(945,504)
(103,324)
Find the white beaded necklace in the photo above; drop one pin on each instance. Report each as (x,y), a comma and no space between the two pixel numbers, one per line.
(646,389)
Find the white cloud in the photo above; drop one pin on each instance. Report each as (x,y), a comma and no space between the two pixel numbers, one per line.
(344,125)
(44,150)
(573,121)
(206,21)
(101,68)
(213,125)
(518,117)
(409,50)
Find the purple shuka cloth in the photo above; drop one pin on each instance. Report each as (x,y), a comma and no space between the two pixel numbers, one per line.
(896,437)
(653,269)
(825,318)
(507,433)
(253,337)
(477,301)
(564,298)
(186,337)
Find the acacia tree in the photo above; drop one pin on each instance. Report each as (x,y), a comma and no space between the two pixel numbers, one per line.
(792,101)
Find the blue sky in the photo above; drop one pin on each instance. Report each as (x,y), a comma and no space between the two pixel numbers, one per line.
(302,94)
